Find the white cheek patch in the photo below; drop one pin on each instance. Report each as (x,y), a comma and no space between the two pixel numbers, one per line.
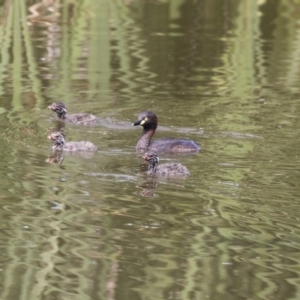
(144,121)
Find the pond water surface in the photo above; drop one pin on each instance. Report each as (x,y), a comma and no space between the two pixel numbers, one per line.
(225,74)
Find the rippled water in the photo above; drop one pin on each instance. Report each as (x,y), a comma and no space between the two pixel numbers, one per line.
(96,226)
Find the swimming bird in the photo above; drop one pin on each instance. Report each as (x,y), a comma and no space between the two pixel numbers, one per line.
(79,118)
(166,170)
(149,121)
(59,144)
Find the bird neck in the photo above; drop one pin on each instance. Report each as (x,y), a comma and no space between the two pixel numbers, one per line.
(59,144)
(152,166)
(61,113)
(145,139)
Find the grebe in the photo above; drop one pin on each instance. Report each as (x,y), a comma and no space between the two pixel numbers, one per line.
(80,118)
(148,120)
(166,170)
(59,144)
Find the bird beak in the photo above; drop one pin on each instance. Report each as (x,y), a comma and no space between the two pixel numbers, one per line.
(138,122)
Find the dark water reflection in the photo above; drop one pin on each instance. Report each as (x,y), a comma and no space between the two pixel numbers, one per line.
(96,227)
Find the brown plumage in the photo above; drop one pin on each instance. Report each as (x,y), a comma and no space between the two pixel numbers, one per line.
(59,144)
(165,170)
(149,121)
(80,118)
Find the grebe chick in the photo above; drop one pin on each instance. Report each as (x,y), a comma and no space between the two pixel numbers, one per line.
(81,118)
(166,170)
(59,144)
(148,120)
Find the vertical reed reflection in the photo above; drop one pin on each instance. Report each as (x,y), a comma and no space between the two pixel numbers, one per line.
(5,42)
(17,55)
(31,63)
(130,59)
(243,66)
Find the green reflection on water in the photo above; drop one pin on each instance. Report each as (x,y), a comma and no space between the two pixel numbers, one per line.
(96,227)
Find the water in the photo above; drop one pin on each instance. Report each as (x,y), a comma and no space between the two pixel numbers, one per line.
(96,226)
